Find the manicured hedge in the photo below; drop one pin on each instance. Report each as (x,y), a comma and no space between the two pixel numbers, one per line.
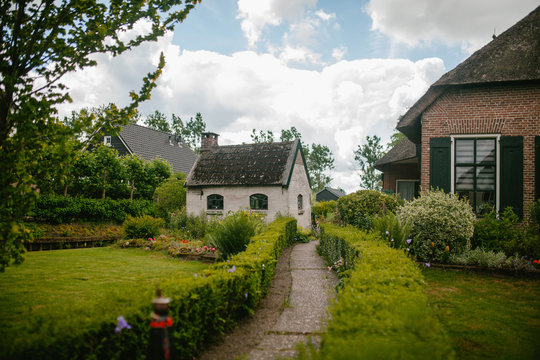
(60,209)
(381,311)
(202,308)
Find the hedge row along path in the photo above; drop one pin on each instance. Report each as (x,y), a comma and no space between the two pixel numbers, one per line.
(294,311)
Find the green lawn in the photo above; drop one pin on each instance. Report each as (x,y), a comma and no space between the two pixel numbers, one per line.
(56,291)
(487,317)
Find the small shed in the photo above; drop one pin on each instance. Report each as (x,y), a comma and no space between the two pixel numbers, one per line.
(328,194)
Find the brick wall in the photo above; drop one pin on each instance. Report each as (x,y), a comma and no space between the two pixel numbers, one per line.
(508,110)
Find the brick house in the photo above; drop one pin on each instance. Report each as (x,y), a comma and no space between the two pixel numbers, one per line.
(268,178)
(476,131)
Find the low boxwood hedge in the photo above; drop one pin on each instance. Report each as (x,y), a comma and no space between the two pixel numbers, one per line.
(381,311)
(202,308)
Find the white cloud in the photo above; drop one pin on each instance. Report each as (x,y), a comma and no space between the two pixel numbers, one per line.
(325,16)
(336,106)
(339,53)
(257,14)
(467,23)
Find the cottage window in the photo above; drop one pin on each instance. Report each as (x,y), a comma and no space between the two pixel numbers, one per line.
(107,141)
(258,202)
(475,163)
(300,203)
(214,202)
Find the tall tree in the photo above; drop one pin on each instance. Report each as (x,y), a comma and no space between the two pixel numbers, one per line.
(41,42)
(192,131)
(395,138)
(158,121)
(290,135)
(262,137)
(366,156)
(319,159)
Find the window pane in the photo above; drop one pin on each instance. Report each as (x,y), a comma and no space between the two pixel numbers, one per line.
(485,178)
(485,201)
(464,151)
(406,189)
(258,202)
(485,150)
(300,202)
(464,178)
(214,202)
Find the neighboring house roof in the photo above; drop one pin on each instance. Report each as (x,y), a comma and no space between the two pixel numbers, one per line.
(513,56)
(251,164)
(338,193)
(402,151)
(149,144)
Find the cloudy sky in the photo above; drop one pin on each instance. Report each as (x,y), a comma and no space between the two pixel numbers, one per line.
(337,70)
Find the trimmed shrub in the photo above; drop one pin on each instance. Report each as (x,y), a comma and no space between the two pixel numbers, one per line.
(359,208)
(381,311)
(142,227)
(396,233)
(171,195)
(231,235)
(441,224)
(491,233)
(59,209)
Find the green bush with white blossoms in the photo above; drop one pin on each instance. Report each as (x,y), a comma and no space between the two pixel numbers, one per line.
(441,224)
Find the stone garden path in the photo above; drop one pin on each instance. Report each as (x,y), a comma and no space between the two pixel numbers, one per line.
(295,310)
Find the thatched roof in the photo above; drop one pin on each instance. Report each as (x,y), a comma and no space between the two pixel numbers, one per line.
(403,150)
(247,165)
(513,56)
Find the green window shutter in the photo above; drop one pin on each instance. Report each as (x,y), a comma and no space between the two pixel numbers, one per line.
(439,163)
(512,173)
(537,166)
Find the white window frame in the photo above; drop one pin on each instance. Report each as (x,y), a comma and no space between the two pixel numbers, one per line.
(497,138)
(107,141)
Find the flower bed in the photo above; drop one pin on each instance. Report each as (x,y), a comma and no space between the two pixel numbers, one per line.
(382,311)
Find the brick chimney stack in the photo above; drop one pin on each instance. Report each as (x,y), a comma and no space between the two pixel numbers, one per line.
(209,139)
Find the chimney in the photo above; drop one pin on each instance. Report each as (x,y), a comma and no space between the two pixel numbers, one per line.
(209,139)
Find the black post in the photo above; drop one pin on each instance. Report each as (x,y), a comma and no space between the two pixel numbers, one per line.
(160,340)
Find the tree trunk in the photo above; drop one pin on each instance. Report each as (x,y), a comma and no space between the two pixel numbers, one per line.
(65,190)
(132,190)
(104,184)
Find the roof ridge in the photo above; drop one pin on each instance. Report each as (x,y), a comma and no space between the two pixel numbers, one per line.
(149,128)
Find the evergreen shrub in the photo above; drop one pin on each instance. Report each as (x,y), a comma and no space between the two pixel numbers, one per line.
(323,209)
(142,227)
(381,311)
(441,224)
(360,208)
(170,196)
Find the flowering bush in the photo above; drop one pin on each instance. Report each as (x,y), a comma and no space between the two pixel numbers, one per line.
(440,224)
(359,208)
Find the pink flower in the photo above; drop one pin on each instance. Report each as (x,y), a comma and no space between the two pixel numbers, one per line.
(197,249)
(213,249)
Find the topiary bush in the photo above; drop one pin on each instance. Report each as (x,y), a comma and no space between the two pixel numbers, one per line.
(359,208)
(142,227)
(440,224)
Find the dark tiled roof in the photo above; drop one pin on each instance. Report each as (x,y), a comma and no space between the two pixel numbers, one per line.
(251,164)
(513,56)
(149,143)
(404,150)
(333,191)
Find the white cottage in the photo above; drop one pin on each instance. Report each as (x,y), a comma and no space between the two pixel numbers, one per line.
(268,178)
